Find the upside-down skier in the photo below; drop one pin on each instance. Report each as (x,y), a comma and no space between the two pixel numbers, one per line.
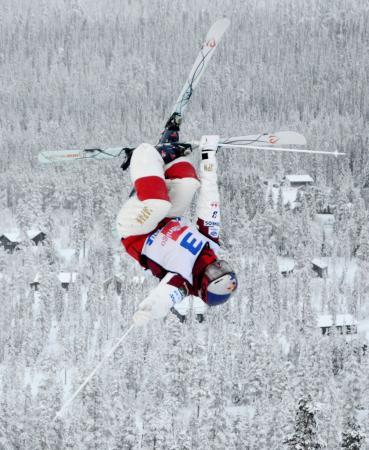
(155,233)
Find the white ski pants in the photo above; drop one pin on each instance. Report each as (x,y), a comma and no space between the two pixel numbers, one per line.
(161,190)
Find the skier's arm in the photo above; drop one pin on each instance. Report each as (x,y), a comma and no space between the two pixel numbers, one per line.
(171,290)
(208,210)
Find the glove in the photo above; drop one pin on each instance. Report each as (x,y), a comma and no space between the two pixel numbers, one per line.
(158,304)
(209,146)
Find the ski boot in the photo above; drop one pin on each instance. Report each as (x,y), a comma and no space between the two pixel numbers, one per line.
(168,146)
(171,130)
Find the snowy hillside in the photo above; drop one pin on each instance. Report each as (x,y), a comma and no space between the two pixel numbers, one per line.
(258,373)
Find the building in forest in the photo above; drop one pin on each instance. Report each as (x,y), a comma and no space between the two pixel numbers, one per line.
(36,236)
(327,209)
(342,324)
(67,278)
(36,282)
(10,241)
(286,265)
(297,181)
(320,267)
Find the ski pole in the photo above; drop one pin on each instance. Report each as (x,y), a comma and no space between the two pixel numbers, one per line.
(110,352)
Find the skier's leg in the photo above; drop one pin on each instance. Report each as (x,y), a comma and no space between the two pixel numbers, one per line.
(182,183)
(150,204)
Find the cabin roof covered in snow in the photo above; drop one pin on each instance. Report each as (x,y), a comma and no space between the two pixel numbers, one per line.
(67,277)
(16,236)
(285,264)
(37,278)
(305,178)
(319,263)
(326,320)
(33,232)
(13,236)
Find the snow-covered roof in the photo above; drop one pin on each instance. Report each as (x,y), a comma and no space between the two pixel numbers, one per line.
(33,232)
(299,178)
(326,320)
(37,278)
(285,264)
(13,236)
(16,235)
(319,263)
(67,277)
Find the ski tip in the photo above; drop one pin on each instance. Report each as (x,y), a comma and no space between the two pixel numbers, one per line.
(224,22)
(216,31)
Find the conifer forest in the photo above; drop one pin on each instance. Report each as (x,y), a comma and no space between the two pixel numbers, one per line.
(284,364)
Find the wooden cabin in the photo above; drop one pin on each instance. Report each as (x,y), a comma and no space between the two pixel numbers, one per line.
(67,278)
(36,236)
(35,283)
(343,324)
(10,241)
(320,267)
(286,265)
(297,181)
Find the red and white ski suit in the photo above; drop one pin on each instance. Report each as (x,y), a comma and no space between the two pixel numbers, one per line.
(151,222)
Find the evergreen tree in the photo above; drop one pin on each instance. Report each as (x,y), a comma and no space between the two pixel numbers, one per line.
(352,437)
(305,435)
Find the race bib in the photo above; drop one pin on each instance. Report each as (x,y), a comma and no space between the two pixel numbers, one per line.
(176,246)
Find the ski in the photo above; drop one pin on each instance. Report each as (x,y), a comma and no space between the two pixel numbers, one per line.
(279,137)
(207,50)
(281,149)
(267,139)
(57,156)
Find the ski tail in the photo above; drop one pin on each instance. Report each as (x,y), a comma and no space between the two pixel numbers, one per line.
(207,50)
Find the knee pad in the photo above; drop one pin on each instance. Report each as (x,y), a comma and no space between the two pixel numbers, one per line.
(140,217)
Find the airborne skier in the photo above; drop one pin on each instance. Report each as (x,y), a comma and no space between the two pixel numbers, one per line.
(155,233)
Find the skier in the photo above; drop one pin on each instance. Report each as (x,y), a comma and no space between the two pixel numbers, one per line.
(155,233)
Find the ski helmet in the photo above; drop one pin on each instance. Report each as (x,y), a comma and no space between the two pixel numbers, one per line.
(218,283)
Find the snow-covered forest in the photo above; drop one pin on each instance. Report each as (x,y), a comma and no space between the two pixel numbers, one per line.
(258,373)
